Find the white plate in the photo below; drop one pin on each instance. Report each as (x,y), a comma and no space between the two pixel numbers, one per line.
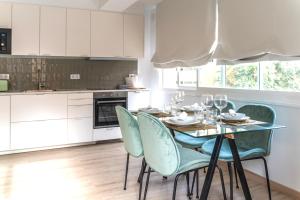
(149,110)
(182,121)
(234,117)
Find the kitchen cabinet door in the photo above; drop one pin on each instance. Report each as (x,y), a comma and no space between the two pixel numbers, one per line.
(5,15)
(33,107)
(103,134)
(80,130)
(138,99)
(107,34)
(4,123)
(53,31)
(25,29)
(78,32)
(37,134)
(133,36)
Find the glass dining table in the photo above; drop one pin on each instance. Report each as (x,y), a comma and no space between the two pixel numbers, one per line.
(221,131)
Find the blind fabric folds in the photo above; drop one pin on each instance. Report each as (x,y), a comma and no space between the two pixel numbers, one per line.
(247,31)
(185,33)
(258,30)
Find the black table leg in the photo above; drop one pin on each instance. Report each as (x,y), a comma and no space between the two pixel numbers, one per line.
(211,167)
(239,167)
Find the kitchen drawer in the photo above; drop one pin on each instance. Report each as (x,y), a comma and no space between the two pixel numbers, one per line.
(38,134)
(80,96)
(107,134)
(37,107)
(80,111)
(80,130)
(78,102)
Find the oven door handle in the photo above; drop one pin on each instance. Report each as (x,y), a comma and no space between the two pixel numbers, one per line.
(117,101)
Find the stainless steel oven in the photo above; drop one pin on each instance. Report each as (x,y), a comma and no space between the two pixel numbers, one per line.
(104,108)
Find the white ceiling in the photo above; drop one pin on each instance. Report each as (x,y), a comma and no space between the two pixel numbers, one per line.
(130,6)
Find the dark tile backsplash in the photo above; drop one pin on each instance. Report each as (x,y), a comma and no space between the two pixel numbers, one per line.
(55,73)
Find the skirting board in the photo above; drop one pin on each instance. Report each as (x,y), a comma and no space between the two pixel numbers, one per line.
(274,185)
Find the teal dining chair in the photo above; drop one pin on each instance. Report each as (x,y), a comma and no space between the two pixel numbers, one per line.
(251,145)
(163,155)
(131,137)
(195,143)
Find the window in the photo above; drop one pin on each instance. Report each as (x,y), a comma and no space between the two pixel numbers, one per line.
(242,76)
(270,75)
(210,75)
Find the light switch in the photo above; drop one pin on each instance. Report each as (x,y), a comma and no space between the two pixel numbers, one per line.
(74,76)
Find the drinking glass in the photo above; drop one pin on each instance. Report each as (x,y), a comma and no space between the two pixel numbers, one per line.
(220,102)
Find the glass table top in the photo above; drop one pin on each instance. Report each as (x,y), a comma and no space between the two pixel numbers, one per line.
(226,129)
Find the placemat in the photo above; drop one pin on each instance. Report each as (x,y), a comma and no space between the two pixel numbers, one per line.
(194,127)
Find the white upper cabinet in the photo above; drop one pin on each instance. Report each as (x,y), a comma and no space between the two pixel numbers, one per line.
(25,29)
(133,36)
(107,34)
(78,32)
(53,31)
(5,15)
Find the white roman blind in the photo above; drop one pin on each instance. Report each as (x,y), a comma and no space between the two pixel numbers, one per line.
(185,33)
(258,30)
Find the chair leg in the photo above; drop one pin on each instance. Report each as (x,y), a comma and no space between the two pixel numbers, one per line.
(222,183)
(147,183)
(142,178)
(193,183)
(236,178)
(188,194)
(267,177)
(142,169)
(175,186)
(197,185)
(126,172)
(230,179)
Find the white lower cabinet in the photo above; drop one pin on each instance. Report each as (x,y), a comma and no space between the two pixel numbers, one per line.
(4,123)
(107,134)
(80,130)
(38,134)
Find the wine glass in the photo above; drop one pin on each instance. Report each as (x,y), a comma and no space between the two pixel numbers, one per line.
(208,101)
(220,102)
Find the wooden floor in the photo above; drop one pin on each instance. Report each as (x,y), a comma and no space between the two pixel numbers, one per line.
(92,173)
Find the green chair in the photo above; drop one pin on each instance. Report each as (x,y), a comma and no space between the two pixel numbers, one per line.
(165,156)
(131,136)
(251,145)
(195,143)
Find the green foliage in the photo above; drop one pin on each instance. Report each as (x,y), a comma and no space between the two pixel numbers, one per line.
(242,76)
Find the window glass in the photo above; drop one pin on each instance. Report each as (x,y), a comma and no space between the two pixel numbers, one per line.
(280,75)
(170,78)
(242,76)
(211,75)
(187,77)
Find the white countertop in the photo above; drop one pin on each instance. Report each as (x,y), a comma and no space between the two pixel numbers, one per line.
(36,92)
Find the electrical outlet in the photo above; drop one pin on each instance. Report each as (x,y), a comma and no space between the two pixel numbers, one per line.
(4,76)
(74,76)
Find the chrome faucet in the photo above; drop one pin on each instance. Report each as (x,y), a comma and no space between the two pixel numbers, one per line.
(41,85)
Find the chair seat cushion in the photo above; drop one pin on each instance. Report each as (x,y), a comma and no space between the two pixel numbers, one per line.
(189,141)
(225,153)
(190,159)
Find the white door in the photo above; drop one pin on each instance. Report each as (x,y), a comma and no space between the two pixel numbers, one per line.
(4,123)
(53,31)
(134,36)
(5,15)
(38,134)
(25,29)
(78,32)
(107,34)
(139,99)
